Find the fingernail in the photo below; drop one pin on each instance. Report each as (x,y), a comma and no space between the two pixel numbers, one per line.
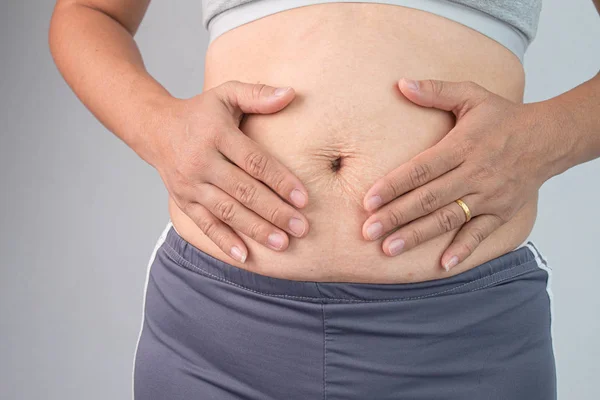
(276,240)
(451,263)
(396,246)
(412,85)
(238,254)
(374,230)
(281,91)
(297,226)
(298,198)
(373,202)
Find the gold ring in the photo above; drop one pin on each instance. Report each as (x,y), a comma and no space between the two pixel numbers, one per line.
(465,209)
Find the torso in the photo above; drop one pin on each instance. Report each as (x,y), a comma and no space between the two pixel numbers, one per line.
(343,60)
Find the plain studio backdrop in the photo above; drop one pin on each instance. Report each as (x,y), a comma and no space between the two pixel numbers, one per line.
(80,212)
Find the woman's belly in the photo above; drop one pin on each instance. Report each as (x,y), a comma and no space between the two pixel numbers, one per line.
(343,61)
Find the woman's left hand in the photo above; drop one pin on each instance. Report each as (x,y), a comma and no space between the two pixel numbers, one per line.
(493,160)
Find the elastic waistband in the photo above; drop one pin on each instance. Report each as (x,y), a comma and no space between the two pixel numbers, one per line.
(502,32)
(514,263)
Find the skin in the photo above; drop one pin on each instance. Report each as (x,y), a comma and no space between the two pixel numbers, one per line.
(498,154)
(183,137)
(188,141)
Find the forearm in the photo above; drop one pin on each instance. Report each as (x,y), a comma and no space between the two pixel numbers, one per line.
(102,64)
(574,126)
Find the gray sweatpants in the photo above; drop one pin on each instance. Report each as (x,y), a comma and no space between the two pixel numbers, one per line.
(214,331)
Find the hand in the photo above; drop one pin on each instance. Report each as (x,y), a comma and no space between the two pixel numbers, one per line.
(493,160)
(221,178)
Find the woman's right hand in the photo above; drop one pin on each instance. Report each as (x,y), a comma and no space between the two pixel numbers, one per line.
(221,178)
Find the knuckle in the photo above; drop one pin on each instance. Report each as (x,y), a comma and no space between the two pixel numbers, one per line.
(416,236)
(467,247)
(274,214)
(419,173)
(463,147)
(230,85)
(477,92)
(479,173)
(185,206)
(437,87)
(255,231)
(447,220)
(427,200)
(226,93)
(391,187)
(256,163)
(200,169)
(277,181)
(258,89)
(395,217)
(220,239)
(180,194)
(477,235)
(226,210)
(227,84)
(204,192)
(493,195)
(246,193)
(180,174)
(208,226)
(214,134)
(471,85)
(470,89)
(180,188)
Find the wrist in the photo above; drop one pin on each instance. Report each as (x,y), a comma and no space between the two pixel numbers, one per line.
(573,124)
(157,117)
(556,129)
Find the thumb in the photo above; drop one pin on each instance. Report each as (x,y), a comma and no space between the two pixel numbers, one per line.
(458,97)
(254,98)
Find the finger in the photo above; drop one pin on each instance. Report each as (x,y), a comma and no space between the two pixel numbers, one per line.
(235,215)
(253,98)
(444,220)
(422,168)
(458,97)
(221,234)
(257,197)
(246,154)
(468,238)
(415,204)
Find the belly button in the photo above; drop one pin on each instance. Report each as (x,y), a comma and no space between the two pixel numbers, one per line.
(336,164)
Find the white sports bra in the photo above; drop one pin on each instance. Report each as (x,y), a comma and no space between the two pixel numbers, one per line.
(512,23)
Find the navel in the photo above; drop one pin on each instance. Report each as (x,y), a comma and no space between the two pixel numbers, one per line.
(336,164)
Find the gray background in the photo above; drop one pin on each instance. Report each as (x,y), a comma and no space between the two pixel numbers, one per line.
(80,212)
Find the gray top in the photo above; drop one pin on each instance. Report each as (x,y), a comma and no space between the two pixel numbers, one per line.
(513,23)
